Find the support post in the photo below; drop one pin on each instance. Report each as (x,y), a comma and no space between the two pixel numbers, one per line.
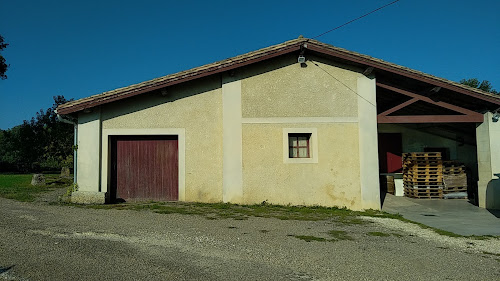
(488,159)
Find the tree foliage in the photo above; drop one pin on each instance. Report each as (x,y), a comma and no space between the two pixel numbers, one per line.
(41,143)
(3,64)
(485,85)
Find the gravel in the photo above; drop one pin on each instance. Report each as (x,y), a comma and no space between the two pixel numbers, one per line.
(44,242)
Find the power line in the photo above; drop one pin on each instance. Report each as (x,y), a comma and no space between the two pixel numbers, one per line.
(380,8)
(342,83)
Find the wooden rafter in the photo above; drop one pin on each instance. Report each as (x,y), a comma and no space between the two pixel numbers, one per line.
(465,115)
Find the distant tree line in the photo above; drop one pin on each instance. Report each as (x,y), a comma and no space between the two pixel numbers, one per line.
(40,144)
(485,85)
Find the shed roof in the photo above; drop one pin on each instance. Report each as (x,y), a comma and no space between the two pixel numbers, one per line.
(267,53)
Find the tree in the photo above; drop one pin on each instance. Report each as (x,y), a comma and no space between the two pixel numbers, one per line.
(41,143)
(3,65)
(485,85)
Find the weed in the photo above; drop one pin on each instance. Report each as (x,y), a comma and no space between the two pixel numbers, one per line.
(339,235)
(212,211)
(72,188)
(490,253)
(308,238)
(379,234)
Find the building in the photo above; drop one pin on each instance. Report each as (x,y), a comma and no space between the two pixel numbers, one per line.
(295,123)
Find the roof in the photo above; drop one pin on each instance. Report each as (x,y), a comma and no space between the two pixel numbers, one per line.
(264,54)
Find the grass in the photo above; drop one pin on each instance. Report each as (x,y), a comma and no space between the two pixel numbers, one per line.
(335,234)
(378,234)
(490,253)
(243,212)
(213,211)
(308,238)
(18,186)
(339,235)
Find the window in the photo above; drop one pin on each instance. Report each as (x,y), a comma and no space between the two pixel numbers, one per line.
(299,145)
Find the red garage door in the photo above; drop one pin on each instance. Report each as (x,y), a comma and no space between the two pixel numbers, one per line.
(144,168)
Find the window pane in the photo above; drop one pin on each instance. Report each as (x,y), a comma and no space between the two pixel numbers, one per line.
(303,152)
(294,152)
(302,141)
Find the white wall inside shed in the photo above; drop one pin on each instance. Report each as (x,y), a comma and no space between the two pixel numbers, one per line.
(415,140)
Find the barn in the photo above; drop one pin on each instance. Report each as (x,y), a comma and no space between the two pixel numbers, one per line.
(301,123)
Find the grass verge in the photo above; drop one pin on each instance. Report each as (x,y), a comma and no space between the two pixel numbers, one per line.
(243,212)
(213,211)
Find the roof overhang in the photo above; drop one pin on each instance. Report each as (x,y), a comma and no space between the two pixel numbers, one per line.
(269,53)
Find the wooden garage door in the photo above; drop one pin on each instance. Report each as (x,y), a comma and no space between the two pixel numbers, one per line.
(144,168)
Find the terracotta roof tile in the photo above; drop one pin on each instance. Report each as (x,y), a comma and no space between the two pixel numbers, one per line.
(233,62)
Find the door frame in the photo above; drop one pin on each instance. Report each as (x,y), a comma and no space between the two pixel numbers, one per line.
(106,159)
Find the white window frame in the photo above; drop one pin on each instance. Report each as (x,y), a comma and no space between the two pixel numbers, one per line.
(313,146)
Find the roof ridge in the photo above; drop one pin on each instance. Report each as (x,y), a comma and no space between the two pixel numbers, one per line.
(241,60)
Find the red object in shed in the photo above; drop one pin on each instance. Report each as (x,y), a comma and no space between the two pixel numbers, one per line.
(390,151)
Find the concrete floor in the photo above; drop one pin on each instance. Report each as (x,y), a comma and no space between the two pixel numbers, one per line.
(455,215)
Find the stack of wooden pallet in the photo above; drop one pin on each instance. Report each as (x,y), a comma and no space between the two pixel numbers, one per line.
(423,174)
(454,177)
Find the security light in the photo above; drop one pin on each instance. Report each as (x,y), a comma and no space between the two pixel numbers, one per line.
(301,59)
(496,117)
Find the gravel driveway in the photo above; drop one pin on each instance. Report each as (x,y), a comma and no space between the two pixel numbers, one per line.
(45,242)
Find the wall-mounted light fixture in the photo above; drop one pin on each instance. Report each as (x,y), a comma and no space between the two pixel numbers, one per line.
(495,117)
(301,59)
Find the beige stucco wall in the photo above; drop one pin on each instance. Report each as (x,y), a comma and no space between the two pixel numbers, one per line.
(196,107)
(282,88)
(333,181)
(281,95)
(257,104)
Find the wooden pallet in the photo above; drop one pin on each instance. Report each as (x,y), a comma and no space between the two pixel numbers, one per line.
(423,182)
(408,163)
(453,172)
(421,154)
(415,172)
(423,170)
(447,190)
(420,193)
(423,186)
(410,176)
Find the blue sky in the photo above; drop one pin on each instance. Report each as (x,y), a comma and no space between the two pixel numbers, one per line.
(81,48)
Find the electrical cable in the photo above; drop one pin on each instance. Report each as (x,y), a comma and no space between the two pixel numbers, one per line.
(380,8)
(313,62)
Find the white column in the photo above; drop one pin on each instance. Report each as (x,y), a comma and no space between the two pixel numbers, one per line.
(368,147)
(488,159)
(89,159)
(232,190)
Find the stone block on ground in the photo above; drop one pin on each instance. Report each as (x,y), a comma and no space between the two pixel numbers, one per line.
(88,197)
(38,179)
(65,173)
